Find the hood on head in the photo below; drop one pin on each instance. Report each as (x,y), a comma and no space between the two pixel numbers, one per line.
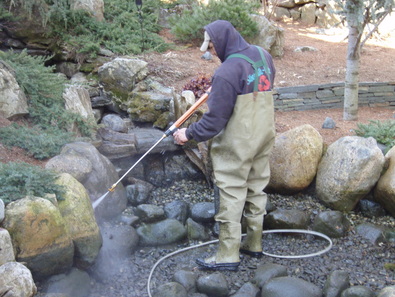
(226,39)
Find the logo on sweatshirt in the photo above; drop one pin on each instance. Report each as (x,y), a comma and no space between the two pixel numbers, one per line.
(264,82)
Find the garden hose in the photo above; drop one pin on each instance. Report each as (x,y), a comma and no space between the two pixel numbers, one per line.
(301,231)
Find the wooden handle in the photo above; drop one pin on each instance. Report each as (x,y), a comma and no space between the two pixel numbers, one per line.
(192,109)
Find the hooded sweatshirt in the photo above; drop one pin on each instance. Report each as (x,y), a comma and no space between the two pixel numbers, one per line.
(234,77)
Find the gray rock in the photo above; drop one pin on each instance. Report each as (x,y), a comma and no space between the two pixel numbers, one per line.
(101,177)
(178,210)
(100,101)
(305,48)
(387,292)
(150,102)
(384,192)
(247,290)
(179,167)
(270,36)
(290,286)
(214,284)
(138,192)
(172,289)
(287,219)
(73,163)
(149,213)
(373,233)
(357,291)
(266,272)
(16,280)
(155,173)
(348,171)
(78,101)
(116,76)
(13,101)
(336,282)
(116,145)
(187,279)
(79,78)
(6,250)
(197,231)
(308,14)
(371,209)
(115,123)
(332,223)
(207,56)
(94,8)
(329,123)
(203,212)
(160,233)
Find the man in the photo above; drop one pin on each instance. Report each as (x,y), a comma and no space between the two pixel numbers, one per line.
(240,122)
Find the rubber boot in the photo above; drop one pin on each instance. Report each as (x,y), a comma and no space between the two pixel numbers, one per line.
(227,255)
(253,214)
(252,243)
(229,243)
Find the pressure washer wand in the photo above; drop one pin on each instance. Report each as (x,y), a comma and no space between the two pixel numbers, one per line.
(169,132)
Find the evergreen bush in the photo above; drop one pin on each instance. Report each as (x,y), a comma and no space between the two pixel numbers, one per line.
(189,24)
(383,132)
(39,143)
(47,113)
(19,180)
(125,29)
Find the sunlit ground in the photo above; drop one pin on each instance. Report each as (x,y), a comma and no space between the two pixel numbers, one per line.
(384,38)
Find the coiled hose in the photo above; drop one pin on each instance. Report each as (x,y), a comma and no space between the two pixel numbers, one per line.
(302,231)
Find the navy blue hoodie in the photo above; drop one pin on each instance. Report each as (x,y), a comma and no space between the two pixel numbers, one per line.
(234,77)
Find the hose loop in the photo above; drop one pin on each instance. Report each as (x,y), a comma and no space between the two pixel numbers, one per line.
(301,231)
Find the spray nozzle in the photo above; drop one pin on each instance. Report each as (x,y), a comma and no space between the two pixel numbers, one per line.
(112,188)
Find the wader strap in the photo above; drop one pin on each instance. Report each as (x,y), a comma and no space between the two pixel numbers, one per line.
(256,65)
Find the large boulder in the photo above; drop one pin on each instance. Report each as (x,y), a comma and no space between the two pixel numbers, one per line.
(13,101)
(93,7)
(270,36)
(150,102)
(97,181)
(6,250)
(384,192)
(348,172)
(16,280)
(294,159)
(121,75)
(78,101)
(77,211)
(40,236)
(28,29)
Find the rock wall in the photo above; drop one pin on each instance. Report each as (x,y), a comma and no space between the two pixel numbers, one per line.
(332,96)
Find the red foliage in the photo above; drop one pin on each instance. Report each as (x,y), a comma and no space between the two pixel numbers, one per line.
(198,85)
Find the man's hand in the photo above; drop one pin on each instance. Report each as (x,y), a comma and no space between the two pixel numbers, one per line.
(180,136)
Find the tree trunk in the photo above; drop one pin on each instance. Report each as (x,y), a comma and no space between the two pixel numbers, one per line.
(350,111)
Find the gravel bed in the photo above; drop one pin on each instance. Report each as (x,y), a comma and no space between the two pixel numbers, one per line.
(361,259)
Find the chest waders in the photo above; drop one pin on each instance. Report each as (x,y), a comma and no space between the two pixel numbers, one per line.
(240,156)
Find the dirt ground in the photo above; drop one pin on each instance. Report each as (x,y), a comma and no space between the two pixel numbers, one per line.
(325,65)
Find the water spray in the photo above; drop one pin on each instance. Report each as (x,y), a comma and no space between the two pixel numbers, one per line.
(169,132)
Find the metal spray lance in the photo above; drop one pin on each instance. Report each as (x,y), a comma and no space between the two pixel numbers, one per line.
(169,132)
